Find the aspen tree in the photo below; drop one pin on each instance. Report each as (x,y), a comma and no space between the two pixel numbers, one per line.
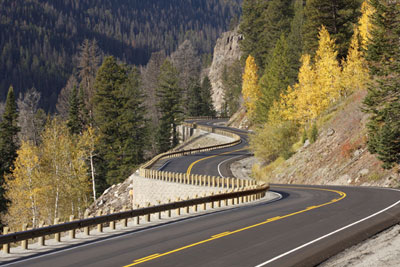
(250,90)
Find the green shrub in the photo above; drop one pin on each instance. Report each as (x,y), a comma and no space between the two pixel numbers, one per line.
(272,141)
(304,137)
(314,133)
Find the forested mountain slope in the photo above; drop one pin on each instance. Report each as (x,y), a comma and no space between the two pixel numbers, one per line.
(39,38)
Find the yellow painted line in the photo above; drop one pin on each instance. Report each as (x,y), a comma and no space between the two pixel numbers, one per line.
(189,170)
(221,234)
(155,256)
(148,257)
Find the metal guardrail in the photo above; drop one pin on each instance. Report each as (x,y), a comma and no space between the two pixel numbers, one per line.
(257,193)
(246,191)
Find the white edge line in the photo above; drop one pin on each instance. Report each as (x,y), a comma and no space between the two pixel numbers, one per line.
(327,235)
(133,232)
(219,165)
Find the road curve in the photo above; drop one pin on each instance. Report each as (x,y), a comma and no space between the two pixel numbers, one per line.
(309,224)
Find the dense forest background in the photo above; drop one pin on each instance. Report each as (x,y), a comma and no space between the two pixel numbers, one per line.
(40,39)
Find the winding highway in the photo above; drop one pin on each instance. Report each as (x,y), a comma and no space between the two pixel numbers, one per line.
(305,226)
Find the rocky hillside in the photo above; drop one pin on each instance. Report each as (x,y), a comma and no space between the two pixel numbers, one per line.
(226,51)
(339,156)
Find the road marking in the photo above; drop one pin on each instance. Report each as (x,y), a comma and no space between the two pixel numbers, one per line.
(210,157)
(214,237)
(222,162)
(325,236)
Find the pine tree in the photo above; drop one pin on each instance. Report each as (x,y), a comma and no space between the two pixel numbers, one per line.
(133,126)
(170,107)
(8,143)
(74,122)
(250,90)
(251,26)
(194,99)
(232,86)
(381,102)
(337,16)
(108,106)
(275,79)
(207,108)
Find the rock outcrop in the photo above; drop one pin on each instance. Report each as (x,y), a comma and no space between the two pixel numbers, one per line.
(226,51)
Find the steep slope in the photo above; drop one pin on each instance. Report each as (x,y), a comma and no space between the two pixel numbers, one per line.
(339,156)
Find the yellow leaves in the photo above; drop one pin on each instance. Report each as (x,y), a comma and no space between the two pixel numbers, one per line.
(355,75)
(365,23)
(50,180)
(250,90)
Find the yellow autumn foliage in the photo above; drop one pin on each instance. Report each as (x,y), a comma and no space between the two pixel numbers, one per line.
(365,23)
(250,88)
(51,180)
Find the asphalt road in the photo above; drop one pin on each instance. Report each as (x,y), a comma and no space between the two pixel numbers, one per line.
(309,224)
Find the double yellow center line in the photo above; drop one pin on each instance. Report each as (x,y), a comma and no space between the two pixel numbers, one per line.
(341,194)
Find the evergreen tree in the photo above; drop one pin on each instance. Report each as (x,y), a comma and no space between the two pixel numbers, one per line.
(276,22)
(8,143)
(194,99)
(337,16)
(74,122)
(382,100)
(251,26)
(108,106)
(232,85)
(170,107)
(133,126)
(275,79)
(207,108)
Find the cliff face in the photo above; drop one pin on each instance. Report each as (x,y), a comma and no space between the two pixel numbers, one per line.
(226,51)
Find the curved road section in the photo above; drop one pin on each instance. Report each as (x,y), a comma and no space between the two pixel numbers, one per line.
(305,227)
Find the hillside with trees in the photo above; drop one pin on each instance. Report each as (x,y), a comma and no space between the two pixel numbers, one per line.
(40,39)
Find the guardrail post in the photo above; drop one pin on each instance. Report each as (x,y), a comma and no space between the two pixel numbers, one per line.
(24,243)
(219,201)
(42,238)
(178,210)
(148,215)
(6,247)
(188,207)
(169,211)
(57,236)
(100,225)
(112,223)
(195,206)
(159,214)
(86,229)
(204,204)
(124,221)
(213,181)
(212,202)
(71,232)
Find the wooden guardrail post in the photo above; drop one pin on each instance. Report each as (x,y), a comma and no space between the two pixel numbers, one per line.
(112,223)
(6,247)
(100,225)
(169,211)
(188,207)
(57,236)
(42,239)
(24,243)
(212,202)
(219,201)
(159,214)
(213,181)
(124,221)
(148,215)
(195,206)
(86,229)
(71,232)
(178,210)
(204,204)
